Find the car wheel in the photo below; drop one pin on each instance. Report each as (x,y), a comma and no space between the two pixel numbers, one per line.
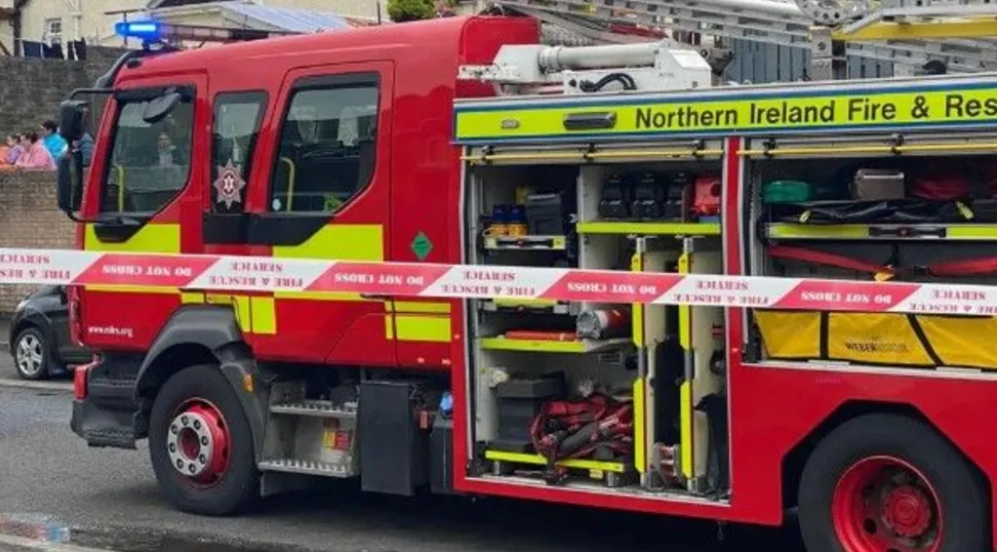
(31,358)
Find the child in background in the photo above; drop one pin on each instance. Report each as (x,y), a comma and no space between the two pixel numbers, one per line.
(36,155)
(10,151)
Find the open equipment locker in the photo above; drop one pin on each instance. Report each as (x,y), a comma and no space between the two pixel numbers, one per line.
(671,437)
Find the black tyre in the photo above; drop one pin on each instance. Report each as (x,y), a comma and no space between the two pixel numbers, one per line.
(31,354)
(890,483)
(201,444)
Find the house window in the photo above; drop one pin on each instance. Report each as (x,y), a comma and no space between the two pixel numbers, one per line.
(53,31)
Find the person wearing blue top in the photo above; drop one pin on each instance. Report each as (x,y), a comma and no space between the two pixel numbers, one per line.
(54,143)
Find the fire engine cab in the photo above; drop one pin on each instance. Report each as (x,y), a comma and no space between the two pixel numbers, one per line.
(463,141)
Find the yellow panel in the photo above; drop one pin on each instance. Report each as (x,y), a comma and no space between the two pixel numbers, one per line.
(151,238)
(240,303)
(685,428)
(389,327)
(422,328)
(341,242)
(878,338)
(640,450)
(415,306)
(921,30)
(191,297)
(536,459)
(970,231)
(719,112)
(789,334)
(133,289)
(264,315)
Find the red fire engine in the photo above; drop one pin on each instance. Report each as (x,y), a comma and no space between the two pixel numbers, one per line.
(463,141)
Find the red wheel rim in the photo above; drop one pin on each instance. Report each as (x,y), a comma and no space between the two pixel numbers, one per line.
(883,504)
(197,443)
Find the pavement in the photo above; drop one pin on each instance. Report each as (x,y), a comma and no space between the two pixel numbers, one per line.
(109,500)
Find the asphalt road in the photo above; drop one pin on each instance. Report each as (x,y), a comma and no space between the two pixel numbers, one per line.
(110,499)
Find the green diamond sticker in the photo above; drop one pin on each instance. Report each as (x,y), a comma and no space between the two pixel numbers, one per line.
(421,246)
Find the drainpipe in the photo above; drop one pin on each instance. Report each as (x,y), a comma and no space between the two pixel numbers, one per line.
(15,24)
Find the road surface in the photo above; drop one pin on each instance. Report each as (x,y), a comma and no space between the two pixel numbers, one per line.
(110,499)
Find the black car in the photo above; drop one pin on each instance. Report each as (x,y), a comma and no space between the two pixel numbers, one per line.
(39,336)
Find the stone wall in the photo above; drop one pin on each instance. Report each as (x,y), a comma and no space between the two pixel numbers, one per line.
(30,218)
(31,89)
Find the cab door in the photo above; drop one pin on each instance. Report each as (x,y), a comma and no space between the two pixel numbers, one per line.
(328,198)
(142,196)
(238,114)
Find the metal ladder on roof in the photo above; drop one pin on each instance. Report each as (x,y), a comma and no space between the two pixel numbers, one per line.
(962,34)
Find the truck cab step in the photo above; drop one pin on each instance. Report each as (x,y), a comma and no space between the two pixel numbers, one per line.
(316,408)
(306,467)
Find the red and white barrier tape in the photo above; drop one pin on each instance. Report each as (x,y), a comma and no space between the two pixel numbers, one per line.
(206,272)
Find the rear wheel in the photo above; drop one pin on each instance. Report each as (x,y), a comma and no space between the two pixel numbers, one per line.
(31,357)
(201,444)
(888,483)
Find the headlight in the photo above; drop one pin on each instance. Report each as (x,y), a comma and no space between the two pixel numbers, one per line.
(21,305)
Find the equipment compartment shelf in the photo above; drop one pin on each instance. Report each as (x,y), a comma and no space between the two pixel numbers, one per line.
(953,232)
(520,243)
(529,305)
(649,228)
(551,346)
(537,460)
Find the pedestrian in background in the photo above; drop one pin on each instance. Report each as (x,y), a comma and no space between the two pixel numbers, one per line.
(36,155)
(54,143)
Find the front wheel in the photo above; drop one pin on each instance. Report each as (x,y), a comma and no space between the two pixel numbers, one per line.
(201,444)
(889,483)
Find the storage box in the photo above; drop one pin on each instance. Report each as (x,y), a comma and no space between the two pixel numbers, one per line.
(878,184)
(787,191)
(545,215)
(519,402)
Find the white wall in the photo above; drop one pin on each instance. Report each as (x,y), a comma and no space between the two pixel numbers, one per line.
(80,19)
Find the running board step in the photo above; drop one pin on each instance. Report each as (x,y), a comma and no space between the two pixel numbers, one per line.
(306,467)
(316,408)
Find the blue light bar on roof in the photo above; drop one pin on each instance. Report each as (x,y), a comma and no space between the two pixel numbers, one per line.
(148,30)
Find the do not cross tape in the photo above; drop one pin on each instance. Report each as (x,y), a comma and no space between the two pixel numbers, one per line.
(233,273)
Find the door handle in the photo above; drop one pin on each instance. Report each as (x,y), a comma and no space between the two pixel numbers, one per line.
(375,296)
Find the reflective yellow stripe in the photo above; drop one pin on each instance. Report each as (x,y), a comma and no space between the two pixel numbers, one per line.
(640,450)
(637,310)
(264,315)
(685,427)
(649,228)
(685,318)
(536,459)
(151,238)
(422,328)
(339,242)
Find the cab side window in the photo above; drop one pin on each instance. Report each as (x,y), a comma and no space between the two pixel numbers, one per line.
(234,132)
(150,161)
(328,143)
